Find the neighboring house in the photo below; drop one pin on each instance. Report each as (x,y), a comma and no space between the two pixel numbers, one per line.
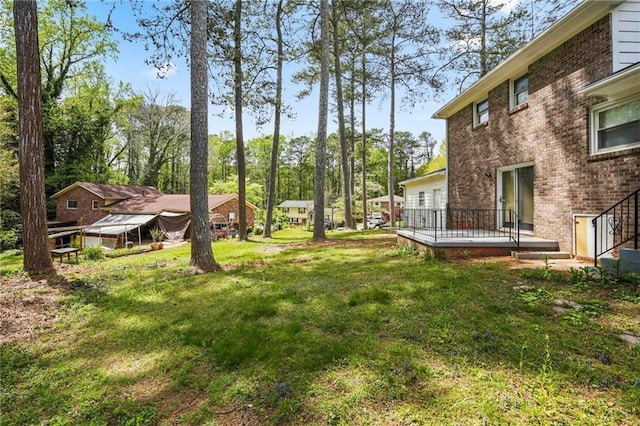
(170,212)
(553,132)
(382,204)
(82,203)
(423,195)
(224,206)
(426,192)
(300,212)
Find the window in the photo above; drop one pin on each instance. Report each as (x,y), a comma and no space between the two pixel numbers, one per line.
(72,204)
(421,199)
(481,112)
(94,205)
(232,216)
(520,91)
(615,126)
(302,210)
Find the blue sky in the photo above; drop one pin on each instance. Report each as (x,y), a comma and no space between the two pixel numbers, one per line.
(130,67)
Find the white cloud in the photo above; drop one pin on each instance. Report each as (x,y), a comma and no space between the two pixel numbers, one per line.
(165,70)
(507,5)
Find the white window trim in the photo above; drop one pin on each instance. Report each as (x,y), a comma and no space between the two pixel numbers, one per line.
(594,122)
(512,92)
(476,117)
(94,205)
(72,208)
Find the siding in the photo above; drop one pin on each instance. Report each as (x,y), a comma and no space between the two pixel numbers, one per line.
(412,190)
(625,34)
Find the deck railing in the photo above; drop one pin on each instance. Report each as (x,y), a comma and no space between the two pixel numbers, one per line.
(462,223)
(617,225)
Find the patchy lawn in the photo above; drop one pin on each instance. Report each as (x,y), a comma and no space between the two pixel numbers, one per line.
(351,331)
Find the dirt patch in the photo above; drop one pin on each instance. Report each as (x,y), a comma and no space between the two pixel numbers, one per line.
(553,264)
(276,248)
(29,303)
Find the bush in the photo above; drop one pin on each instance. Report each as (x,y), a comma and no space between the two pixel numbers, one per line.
(8,239)
(93,253)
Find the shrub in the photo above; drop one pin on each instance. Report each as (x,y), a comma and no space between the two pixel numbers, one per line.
(8,239)
(93,253)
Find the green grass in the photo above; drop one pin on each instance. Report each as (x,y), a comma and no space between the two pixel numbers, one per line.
(10,262)
(354,331)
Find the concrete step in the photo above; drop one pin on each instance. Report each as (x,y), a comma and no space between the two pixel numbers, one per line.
(630,254)
(629,261)
(542,255)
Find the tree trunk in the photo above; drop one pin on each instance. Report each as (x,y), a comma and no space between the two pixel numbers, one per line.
(323,109)
(237,77)
(344,149)
(37,257)
(352,119)
(484,68)
(364,141)
(392,131)
(271,195)
(201,252)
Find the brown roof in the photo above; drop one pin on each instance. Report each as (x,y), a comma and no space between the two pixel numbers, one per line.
(155,204)
(104,190)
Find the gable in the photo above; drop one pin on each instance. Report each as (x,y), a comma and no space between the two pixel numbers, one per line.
(625,35)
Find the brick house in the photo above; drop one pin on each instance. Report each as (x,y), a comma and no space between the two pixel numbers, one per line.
(381,204)
(224,207)
(553,132)
(131,220)
(83,202)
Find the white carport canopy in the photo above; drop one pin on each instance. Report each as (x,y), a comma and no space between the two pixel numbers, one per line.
(116,224)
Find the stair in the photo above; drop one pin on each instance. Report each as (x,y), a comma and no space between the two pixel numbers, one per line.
(629,261)
(541,255)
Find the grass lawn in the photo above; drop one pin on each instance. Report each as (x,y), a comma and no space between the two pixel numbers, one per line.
(351,331)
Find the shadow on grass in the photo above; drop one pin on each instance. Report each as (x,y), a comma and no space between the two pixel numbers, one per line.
(271,337)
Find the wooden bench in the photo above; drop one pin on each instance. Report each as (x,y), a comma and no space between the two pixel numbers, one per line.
(66,250)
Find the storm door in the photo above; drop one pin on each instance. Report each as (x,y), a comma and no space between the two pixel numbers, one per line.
(515,186)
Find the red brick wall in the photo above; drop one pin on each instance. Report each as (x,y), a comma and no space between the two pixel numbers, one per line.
(84,212)
(552,131)
(231,206)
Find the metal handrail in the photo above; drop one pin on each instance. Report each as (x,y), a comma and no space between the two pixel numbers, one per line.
(462,223)
(620,222)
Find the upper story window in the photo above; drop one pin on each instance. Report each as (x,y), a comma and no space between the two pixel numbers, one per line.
(421,199)
(72,204)
(481,112)
(302,210)
(615,126)
(94,205)
(520,91)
